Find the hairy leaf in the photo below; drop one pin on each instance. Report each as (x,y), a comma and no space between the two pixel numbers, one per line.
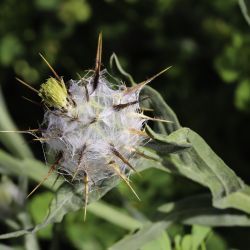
(202,165)
(199,210)
(162,145)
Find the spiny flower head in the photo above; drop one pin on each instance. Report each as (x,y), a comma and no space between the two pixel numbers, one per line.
(93,126)
(95,132)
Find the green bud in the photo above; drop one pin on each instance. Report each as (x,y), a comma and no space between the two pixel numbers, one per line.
(54,93)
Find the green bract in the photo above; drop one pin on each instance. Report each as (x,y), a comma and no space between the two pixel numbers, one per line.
(54,93)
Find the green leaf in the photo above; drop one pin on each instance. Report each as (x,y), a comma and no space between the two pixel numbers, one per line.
(11,198)
(215,241)
(38,207)
(199,234)
(148,233)
(68,199)
(200,164)
(199,210)
(74,11)
(47,4)
(162,242)
(239,199)
(114,216)
(244,11)
(186,243)
(10,48)
(14,142)
(242,95)
(34,169)
(229,75)
(163,145)
(177,242)
(5,247)
(15,234)
(30,240)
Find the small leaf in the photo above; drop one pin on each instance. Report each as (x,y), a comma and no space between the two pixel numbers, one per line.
(186,243)
(215,241)
(242,95)
(199,234)
(38,207)
(162,242)
(135,241)
(177,242)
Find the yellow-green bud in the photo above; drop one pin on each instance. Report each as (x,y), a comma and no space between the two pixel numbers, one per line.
(54,93)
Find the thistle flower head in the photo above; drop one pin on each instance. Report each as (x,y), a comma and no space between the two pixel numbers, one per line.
(96,132)
(93,125)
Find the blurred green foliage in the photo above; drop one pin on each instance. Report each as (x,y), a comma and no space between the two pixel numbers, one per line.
(208,44)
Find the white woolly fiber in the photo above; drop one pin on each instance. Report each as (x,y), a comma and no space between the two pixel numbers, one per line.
(96,125)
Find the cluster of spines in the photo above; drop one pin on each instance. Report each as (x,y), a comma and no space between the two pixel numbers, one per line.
(54,94)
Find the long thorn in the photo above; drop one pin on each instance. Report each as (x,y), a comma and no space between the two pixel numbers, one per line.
(86,193)
(146,109)
(51,170)
(50,67)
(20,131)
(144,156)
(99,54)
(123,177)
(151,118)
(79,162)
(43,139)
(98,62)
(27,85)
(124,160)
(137,132)
(120,106)
(34,102)
(142,84)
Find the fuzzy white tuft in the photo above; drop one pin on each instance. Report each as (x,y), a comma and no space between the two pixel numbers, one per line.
(98,131)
